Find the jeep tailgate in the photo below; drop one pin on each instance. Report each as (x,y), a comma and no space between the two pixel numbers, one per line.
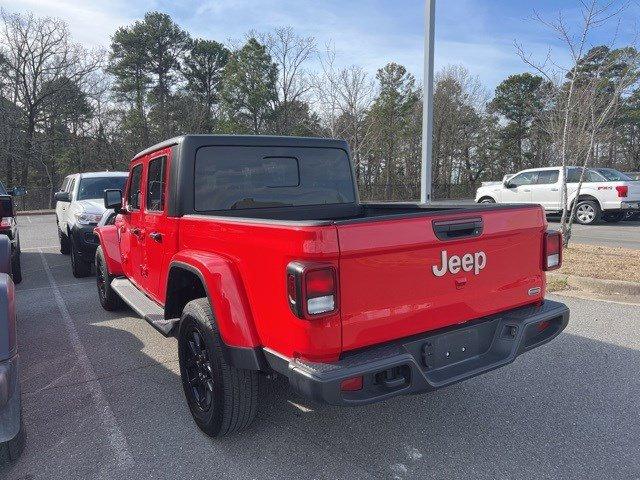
(388,288)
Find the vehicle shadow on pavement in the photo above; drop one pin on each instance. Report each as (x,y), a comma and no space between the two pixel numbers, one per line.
(565,410)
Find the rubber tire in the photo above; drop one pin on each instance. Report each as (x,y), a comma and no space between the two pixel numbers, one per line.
(16,268)
(613,217)
(235,401)
(10,451)
(65,244)
(486,200)
(110,300)
(79,267)
(596,207)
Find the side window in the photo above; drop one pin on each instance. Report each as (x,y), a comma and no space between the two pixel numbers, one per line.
(589,176)
(526,178)
(155,184)
(72,185)
(65,184)
(547,177)
(593,176)
(573,175)
(133,194)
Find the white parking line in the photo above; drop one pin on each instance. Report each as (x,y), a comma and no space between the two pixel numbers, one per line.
(108,420)
(61,285)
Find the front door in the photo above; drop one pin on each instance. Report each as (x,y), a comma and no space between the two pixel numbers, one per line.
(131,226)
(63,207)
(519,190)
(159,241)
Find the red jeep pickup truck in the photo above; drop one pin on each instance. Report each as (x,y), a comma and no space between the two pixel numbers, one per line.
(258,255)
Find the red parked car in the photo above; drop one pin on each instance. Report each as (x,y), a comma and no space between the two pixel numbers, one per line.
(258,255)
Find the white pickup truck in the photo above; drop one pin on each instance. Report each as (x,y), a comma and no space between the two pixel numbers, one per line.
(606,194)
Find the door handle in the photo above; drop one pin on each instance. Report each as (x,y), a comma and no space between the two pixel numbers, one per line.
(554,189)
(526,190)
(157,236)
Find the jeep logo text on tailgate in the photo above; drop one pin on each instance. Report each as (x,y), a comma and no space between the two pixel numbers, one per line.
(467,263)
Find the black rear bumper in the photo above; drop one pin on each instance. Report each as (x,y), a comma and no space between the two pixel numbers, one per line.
(426,362)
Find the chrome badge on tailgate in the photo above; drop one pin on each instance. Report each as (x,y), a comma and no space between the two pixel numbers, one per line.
(468,262)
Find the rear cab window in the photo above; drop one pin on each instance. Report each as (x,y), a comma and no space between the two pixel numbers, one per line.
(237,178)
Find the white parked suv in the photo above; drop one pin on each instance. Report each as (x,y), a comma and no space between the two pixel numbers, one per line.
(79,208)
(606,193)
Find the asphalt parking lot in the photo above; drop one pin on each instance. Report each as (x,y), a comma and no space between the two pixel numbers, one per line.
(102,399)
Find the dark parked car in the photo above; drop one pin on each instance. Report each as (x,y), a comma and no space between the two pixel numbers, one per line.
(11,429)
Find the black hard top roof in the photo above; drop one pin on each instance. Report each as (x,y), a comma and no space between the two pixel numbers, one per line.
(246,141)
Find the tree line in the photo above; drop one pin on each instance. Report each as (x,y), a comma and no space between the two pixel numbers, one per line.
(66,108)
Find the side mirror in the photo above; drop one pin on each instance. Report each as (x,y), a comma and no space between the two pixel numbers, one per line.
(508,184)
(6,206)
(17,191)
(62,197)
(113,199)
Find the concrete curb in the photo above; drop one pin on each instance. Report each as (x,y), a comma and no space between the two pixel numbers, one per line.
(597,285)
(36,212)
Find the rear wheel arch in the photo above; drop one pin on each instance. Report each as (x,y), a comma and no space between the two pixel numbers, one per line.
(486,199)
(184,283)
(586,197)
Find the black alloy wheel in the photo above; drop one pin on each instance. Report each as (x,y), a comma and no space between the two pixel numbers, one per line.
(199,373)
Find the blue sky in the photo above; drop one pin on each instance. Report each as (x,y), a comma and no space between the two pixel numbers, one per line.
(477,34)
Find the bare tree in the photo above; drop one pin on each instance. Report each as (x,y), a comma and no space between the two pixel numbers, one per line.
(290,52)
(574,127)
(38,54)
(344,96)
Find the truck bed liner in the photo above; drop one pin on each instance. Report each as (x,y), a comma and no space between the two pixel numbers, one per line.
(320,215)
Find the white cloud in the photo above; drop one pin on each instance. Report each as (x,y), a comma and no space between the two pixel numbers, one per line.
(90,23)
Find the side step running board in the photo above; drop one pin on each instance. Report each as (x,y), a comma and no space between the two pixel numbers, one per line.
(143,305)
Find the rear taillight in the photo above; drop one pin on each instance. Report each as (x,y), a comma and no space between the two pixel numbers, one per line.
(552,259)
(5,223)
(623,191)
(311,289)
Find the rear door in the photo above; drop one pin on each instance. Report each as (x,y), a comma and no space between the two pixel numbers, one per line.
(160,237)
(397,278)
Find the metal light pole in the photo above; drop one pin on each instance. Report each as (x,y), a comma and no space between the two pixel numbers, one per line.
(427,107)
